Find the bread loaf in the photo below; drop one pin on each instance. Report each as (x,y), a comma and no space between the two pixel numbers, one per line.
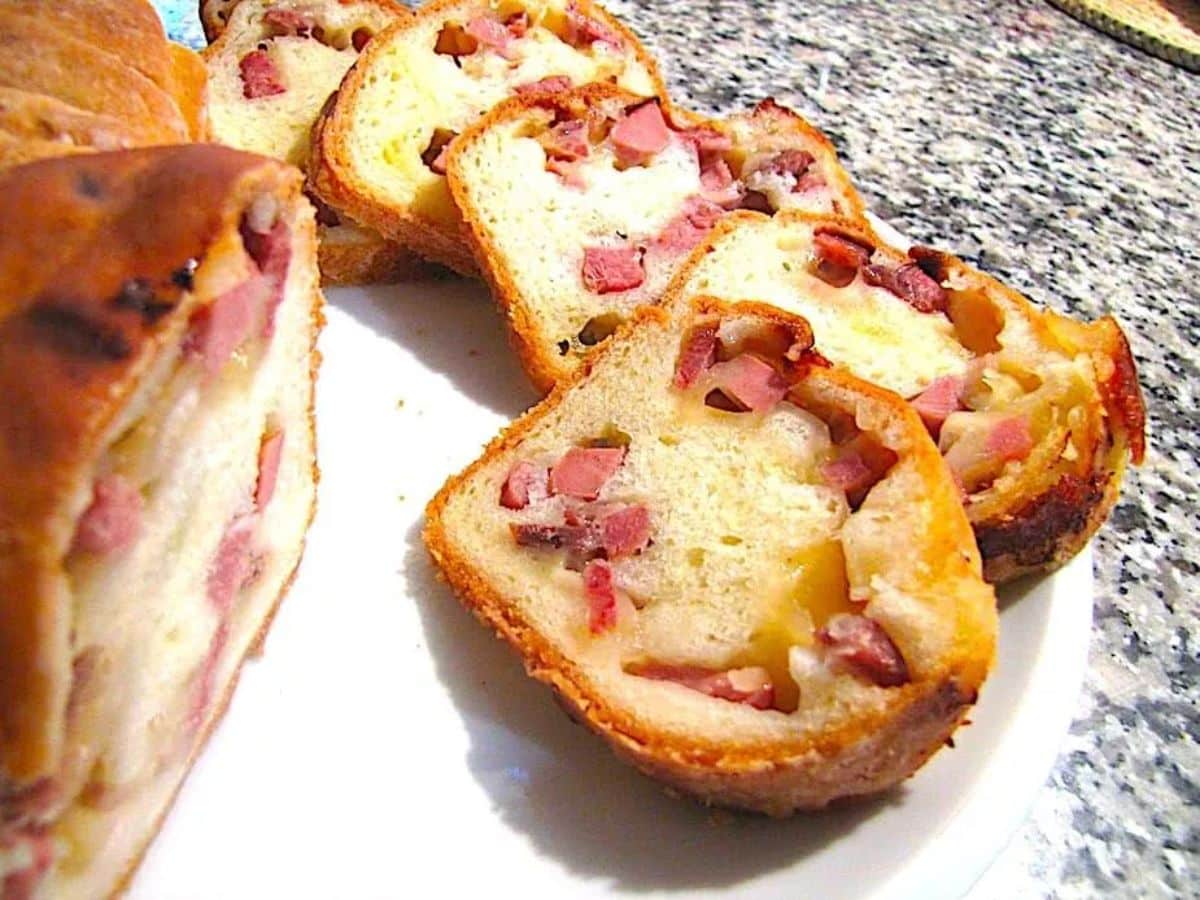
(670,541)
(1034,412)
(618,190)
(157,476)
(380,148)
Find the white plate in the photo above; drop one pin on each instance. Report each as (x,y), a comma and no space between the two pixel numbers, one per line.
(387,745)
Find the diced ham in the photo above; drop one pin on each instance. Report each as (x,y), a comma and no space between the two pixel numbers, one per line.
(583,471)
(525,483)
(718,183)
(113,519)
(848,472)
(517,24)
(272,253)
(756,201)
(552,84)
(566,140)
(751,384)
(569,171)
(492,34)
(841,250)
(601,596)
(206,678)
(231,566)
(707,140)
(910,284)
(360,38)
(698,355)
(640,134)
(788,162)
(288,21)
(626,531)
(218,329)
(751,685)
(22,883)
(584,31)
(1010,439)
(862,645)
(696,218)
(809,181)
(260,76)
(610,270)
(270,452)
(942,397)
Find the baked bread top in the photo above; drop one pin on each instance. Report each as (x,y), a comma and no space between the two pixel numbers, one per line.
(618,190)
(380,148)
(668,541)
(1035,413)
(76,334)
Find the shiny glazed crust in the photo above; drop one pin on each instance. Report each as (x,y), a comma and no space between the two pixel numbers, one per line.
(1043,526)
(768,127)
(69,358)
(336,182)
(870,753)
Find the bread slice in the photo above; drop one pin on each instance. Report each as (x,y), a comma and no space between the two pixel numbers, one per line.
(380,148)
(214,16)
(615,216)
(158,311)
(670,542)
(1034,412)
(44,56)
(273,67)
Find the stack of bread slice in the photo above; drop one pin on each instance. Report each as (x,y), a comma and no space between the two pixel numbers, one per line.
(272,67)
(93,75)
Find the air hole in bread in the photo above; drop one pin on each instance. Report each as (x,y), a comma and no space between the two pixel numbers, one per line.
(598,328)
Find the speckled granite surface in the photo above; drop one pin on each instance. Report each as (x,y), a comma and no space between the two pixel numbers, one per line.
(1066,164)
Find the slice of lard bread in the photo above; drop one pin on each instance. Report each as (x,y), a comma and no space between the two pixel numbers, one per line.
(274,66)
(381,147)
(158,310)
(670,543)
(1035,413)
(619,190)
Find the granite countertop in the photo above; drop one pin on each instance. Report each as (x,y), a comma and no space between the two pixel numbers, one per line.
(1065,163)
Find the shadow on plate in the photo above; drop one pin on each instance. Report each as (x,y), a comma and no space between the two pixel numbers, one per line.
(452,326)
(558,783)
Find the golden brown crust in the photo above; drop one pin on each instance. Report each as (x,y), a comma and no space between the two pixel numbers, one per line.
(70,353)
(36,117)
(41,57)
(189,87)
(869,754)
(1054,518)
(332,173)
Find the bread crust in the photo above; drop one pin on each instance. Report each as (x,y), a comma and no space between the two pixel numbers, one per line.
(69,358)
(1039,530)
(25,116)
(331,169)
(367,259)
(773,127)
(778,778)
(41,57)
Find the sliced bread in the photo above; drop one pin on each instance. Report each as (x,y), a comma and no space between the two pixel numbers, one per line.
(618,190)
(273,67)
(670,542)
(1034,412)
(381,147)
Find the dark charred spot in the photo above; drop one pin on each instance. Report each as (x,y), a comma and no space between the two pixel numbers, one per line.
(563,346)
(88,186)
(73,332)
(1033,534)
(185,276)
(137,294)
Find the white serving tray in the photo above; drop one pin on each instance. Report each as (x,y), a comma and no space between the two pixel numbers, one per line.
(388,746)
